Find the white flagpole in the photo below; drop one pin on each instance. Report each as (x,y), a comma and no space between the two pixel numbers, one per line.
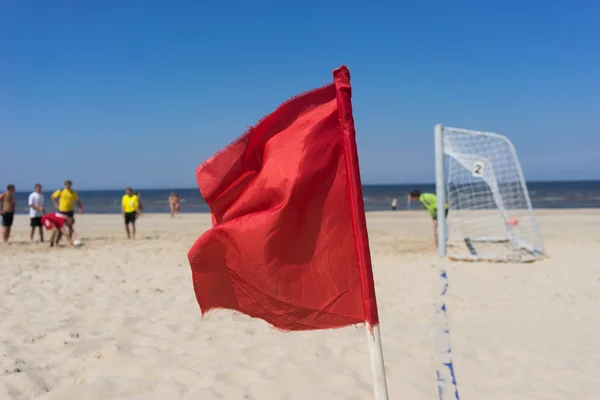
(377,365)
(447,388)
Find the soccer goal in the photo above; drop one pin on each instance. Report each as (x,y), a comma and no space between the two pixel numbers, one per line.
(490,214)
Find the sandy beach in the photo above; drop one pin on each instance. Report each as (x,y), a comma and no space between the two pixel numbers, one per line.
(117,319)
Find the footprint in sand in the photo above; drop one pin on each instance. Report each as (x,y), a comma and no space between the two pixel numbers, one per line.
(34,338)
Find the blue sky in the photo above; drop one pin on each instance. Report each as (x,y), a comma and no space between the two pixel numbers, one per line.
(116,93)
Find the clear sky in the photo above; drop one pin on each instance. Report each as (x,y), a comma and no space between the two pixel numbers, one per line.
(116,93)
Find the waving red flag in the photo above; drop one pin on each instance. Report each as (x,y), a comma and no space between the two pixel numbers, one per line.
(289,241)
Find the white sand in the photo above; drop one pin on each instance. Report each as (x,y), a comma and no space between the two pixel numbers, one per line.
(117,319)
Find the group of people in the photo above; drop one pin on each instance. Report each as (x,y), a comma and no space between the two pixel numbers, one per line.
(64,200)
(60,223)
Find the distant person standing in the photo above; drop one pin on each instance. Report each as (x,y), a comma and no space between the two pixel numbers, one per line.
(36,211)
(429,201)
(394,204)
(8,203)
(67,198)
(130,209)
(174,203)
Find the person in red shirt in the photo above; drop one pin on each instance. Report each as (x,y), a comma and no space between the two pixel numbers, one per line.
(59,224)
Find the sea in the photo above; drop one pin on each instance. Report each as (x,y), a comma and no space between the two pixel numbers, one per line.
(554,195)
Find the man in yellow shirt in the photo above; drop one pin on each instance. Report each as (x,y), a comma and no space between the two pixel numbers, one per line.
(67,198)
(129,209)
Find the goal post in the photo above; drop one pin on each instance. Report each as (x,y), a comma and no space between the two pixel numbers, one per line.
(490,217)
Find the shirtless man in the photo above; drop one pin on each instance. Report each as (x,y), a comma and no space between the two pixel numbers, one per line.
(7,200)
(174,203)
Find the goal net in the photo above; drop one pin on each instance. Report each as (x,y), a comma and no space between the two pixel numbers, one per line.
(490,214)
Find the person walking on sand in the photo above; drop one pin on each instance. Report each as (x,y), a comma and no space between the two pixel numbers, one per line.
(58,223)
(37,210)
(130,210)
(174,203)
(394,204)
(67,197)
(8,203)
(429,201)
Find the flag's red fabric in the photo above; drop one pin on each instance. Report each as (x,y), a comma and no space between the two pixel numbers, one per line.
(289,241)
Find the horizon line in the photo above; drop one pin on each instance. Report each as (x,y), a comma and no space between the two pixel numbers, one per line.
(364,184)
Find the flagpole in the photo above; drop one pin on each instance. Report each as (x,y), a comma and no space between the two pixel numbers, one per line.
(377,365)
(341,78)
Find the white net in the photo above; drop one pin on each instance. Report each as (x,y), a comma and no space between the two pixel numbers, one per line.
(491,217)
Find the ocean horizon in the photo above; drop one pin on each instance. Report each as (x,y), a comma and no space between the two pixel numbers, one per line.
(544,194)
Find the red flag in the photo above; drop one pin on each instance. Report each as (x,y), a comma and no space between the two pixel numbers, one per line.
(289,241)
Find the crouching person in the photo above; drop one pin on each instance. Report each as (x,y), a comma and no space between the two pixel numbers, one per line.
(60,225)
